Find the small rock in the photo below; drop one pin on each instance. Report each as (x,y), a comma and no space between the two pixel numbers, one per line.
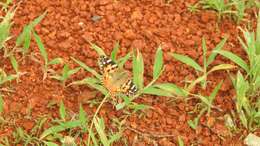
(138,44)
(88,37)
(65,44)
(182,118)
(137,15)
(104,2)
(177,18)
(129,34)
(208,16)
(111,19)
(28,125)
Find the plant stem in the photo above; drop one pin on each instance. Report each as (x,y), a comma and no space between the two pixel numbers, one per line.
(92,122)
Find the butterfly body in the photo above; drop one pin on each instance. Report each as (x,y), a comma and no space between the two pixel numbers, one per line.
(115,79)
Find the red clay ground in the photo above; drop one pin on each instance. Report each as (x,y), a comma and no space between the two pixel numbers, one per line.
(143,24)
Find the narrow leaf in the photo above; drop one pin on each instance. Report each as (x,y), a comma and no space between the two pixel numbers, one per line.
(1,104)
(156,91)
(222,67)
(138,69)
(217,48)
(38,19)
(14,63)
(123,60)
(55,61)
(115,51)
(158,64)
(62,111)
(41,47)
(73,71)
(82,115)
(50,143)
(187,60)
(234,58)
(98,49)
(84,66)
(172,88)
(60,128)
(101,132)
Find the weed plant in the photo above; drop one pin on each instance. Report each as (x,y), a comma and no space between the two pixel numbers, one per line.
(46,66)
(152,88)
(203,71)
(159,89)
(247,86)
(65,74)
(23,41)
(205,105)
(233,8)
(5,27)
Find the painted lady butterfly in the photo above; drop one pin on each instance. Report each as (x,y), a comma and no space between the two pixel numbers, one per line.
(115,79)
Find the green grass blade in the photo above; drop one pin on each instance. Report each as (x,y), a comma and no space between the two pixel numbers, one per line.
(60,128)
(1,104)
(187,60)
(38,19)
(41,47)
(8,78)
(93,138)
(258,34)
(82,115)
(56,61)
(65,71)
(172,88)
(115,51)
(193,83)
(215,91)
(158,63)
(138,69)
(114,138)
(204,48)
(50,143)
(101,132)
(180,141)
(138,107)
(217,48)
(84,66)
(126,102)
(156,91)
(73,71)
(92,82)
(27,39)
(5,26)
(234,58)
(14,63)
(98,49)
(123,60)
(221,67)
(62,111)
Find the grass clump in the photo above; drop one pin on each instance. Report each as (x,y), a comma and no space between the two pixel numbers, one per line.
(203,71)
(247,86)
(5,27)
(205,105)
(23,41)
(65,74)
(152,88)
(235,9)
(46,66)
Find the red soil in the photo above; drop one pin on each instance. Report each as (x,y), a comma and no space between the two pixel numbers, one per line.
(143,24)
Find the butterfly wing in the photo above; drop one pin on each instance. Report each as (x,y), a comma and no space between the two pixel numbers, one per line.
(106,65)
(115,79)
(129,88)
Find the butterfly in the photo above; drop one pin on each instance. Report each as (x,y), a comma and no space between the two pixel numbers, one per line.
(115,79)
